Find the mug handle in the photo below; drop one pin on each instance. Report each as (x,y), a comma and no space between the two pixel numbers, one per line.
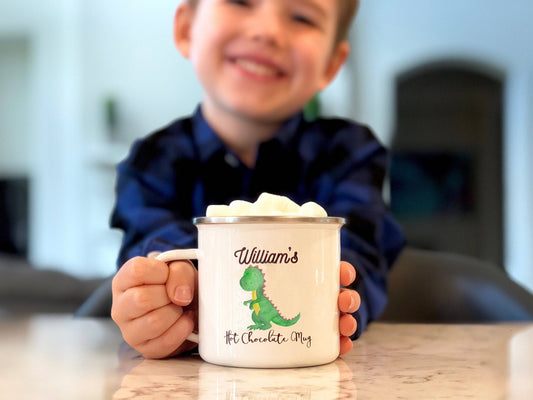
(176,255)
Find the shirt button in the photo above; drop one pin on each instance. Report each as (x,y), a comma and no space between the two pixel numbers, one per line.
(231,160)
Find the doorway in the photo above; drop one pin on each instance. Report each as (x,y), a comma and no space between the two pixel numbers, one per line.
(446,170)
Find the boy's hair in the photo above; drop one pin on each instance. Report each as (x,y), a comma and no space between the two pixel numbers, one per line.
(346,14)
(347,10)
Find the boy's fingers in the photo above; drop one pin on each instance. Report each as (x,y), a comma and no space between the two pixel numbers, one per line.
(181,283)
(345,345)
(172,341)
(140,271)
(151,325)
(347,325)
(349,301)
(347,273)
(140,300)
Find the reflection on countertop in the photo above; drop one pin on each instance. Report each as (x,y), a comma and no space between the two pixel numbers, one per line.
(191,378)
(388,362)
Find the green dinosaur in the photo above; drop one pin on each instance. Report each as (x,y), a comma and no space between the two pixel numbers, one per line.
(264,311)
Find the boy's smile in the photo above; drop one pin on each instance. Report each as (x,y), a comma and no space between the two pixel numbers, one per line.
(259,60)
(258,67)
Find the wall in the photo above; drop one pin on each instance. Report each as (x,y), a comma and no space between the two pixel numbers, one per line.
(53,125)
(14,80)
(80,53)
(391,37)
(128,56)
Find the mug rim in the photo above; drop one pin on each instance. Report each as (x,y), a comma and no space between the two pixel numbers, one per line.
(284,219)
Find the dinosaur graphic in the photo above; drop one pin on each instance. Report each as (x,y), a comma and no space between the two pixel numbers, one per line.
(264,312)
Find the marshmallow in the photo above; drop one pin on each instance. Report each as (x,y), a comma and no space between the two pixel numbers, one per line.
(288,206)
(266,205)
(271,204)
(311,209)
(216,210)
(240,207)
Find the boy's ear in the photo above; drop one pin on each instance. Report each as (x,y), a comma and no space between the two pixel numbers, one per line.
(182,28)
(336,61)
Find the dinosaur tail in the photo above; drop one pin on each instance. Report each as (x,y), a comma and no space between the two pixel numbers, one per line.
(278,320)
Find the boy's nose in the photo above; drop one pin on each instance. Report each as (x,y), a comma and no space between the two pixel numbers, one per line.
(268,25)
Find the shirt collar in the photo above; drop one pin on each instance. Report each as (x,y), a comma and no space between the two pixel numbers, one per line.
(208,142)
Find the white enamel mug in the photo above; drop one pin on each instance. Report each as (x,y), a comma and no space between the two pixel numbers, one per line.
(267,290)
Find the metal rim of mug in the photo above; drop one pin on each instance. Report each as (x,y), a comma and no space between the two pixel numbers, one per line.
(268,219)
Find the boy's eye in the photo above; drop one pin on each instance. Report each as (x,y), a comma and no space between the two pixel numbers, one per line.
(239,2)
(303,19)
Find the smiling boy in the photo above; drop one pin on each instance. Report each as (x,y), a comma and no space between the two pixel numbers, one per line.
(259,62)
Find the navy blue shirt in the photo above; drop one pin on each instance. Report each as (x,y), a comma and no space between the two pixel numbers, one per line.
(173,174)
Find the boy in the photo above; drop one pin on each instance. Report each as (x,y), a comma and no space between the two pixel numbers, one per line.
(259,62)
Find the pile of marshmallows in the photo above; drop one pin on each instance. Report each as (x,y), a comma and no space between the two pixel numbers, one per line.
(266,204)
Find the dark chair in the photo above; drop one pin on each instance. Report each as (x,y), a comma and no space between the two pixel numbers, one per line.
(98,304)
(26,290)
(432,287)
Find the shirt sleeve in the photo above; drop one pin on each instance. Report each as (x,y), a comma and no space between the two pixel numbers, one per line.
(371,239)
(148,207)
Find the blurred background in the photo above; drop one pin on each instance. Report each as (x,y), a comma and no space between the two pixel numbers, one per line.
(448,86)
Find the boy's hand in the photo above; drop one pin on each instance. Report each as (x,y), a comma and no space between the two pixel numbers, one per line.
(153,305)
(349,302)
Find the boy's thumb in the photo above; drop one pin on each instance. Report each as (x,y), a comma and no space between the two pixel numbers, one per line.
(182,282)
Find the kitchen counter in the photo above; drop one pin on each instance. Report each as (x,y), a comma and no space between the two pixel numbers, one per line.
(45,357)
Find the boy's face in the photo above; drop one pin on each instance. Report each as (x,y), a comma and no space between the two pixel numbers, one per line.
(260,59)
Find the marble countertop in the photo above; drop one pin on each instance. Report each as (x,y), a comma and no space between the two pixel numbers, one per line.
(57,357)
